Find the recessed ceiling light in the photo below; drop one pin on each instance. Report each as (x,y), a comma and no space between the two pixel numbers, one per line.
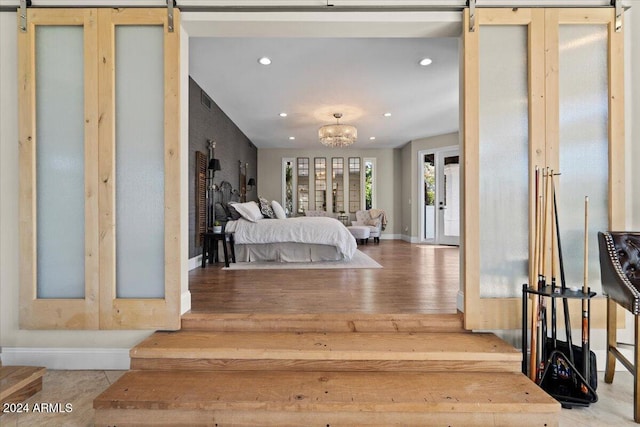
(264,60)
(283,114)
(425,61)
(371,138)
(387,114)
(292,138)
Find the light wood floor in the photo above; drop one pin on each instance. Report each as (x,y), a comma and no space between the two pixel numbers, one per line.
(414,279)
(79,388)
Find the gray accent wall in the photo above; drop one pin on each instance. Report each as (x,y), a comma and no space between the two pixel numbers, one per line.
(232,147)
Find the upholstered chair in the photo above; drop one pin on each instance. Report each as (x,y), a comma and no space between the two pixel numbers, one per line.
(620,273)
(363,219)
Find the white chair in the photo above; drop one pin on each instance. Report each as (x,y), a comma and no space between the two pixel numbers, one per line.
(363,219)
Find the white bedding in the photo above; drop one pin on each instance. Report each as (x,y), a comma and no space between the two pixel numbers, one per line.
(314,230)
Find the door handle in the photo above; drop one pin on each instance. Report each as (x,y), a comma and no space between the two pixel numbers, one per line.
(442,208)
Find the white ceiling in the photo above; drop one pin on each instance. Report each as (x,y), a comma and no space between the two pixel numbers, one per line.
(312,78)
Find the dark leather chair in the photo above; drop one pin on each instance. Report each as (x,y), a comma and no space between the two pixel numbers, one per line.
(620,273)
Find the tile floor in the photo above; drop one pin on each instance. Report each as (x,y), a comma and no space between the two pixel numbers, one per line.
(79,388)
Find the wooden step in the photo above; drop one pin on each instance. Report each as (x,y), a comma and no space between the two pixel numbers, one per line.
(18,383)
(283,398)
(323,322)
(335,351)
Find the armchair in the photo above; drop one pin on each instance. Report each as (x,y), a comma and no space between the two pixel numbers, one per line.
(364,219)
(620,275)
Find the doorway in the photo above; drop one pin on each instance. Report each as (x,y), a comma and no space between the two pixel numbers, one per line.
(439,184)
(433,271)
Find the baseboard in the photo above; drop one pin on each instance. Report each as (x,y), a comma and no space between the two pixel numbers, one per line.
(68,358)
(460,301)
(185,302)
(195,262)
(390,236)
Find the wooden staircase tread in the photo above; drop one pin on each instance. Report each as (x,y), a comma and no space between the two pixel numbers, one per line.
(324,322)
(326,346)
(13,379)
(452,392)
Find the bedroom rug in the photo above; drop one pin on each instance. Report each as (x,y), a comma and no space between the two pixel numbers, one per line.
(359,260)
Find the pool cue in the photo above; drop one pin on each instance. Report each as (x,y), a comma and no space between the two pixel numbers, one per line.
(533,361)
(554,270)
(585,301)
(563,283)
(548,211)
(542,277)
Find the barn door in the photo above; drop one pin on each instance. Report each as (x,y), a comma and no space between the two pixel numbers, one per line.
(535,80)
(99,169)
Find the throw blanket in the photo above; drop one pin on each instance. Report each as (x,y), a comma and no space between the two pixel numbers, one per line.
(315,230)
(375,213)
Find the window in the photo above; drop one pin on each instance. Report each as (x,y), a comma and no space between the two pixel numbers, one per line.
(320,184)
(337,184)
(303,185)
(354,184)
(287,185)
(369,183)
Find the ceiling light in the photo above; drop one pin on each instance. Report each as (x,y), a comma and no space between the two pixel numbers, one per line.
(337,135)
(425,61)
(283,114)
(371,138)
(387,114)
(292,138)
(264,60)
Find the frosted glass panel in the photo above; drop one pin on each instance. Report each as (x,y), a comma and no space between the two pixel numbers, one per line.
(583,146)
(60,161)
(504,225)
(139,162)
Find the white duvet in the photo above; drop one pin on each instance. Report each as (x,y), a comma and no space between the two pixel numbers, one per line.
(317,230)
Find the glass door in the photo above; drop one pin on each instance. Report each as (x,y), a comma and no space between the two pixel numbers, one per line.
(448,198)
(440,195)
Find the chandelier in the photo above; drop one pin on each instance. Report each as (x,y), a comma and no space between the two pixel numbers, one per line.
(337,135)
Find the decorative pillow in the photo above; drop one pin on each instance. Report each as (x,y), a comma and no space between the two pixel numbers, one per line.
(220,212)
(233,213)
(278,210)
(249,211)
(265,208)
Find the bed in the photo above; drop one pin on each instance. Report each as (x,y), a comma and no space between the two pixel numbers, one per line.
(300,239)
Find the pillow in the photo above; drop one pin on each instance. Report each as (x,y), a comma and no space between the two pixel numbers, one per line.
(233,213)
(265,208)
(249,211)
(278,210)
(220,213)
(372,222)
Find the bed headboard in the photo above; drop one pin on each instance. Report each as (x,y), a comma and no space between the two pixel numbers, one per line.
(225,193)
(222,195)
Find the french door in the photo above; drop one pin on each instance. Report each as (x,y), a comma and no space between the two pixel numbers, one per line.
(440,195)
